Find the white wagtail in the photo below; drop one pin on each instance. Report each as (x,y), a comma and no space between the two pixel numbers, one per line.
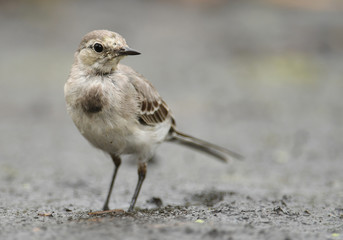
(119,111)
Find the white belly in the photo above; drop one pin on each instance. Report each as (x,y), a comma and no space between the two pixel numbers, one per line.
(116,135)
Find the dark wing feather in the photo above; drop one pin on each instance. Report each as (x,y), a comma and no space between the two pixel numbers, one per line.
(157,114)
(153,110)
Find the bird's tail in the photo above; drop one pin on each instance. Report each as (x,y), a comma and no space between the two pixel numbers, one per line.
(203,146)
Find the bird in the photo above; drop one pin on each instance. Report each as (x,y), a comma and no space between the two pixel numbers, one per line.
(119,111)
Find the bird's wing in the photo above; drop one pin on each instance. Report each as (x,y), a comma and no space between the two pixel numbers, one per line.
(153,110)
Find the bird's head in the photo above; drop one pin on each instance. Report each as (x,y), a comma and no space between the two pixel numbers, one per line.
(100,51)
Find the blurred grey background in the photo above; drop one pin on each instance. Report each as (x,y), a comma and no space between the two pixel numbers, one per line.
(263,78)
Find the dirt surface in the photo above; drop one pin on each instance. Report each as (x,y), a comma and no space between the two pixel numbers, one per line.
(263,78)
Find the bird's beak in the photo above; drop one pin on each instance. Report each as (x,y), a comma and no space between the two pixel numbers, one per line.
(128,51)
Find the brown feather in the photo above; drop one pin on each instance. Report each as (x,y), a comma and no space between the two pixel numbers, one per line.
(153,110)
(156,115)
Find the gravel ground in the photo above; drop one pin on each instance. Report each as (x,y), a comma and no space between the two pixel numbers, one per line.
(261,78)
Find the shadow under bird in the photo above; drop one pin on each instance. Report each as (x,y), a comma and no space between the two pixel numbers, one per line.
(119,111)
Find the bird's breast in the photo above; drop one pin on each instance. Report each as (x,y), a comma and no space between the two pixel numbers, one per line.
(93,100)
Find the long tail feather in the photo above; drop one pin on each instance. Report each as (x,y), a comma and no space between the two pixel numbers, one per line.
(203,146)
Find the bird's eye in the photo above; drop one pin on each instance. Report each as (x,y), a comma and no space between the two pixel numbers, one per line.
(98,47)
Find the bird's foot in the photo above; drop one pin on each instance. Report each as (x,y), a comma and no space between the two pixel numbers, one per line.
(112,211)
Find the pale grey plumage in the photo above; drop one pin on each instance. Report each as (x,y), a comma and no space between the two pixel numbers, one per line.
(119,111)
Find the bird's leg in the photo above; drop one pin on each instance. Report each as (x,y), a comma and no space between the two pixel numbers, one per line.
(141,177)
(117,162)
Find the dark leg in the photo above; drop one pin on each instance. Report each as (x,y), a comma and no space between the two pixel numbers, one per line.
(117,162)
(141,177)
